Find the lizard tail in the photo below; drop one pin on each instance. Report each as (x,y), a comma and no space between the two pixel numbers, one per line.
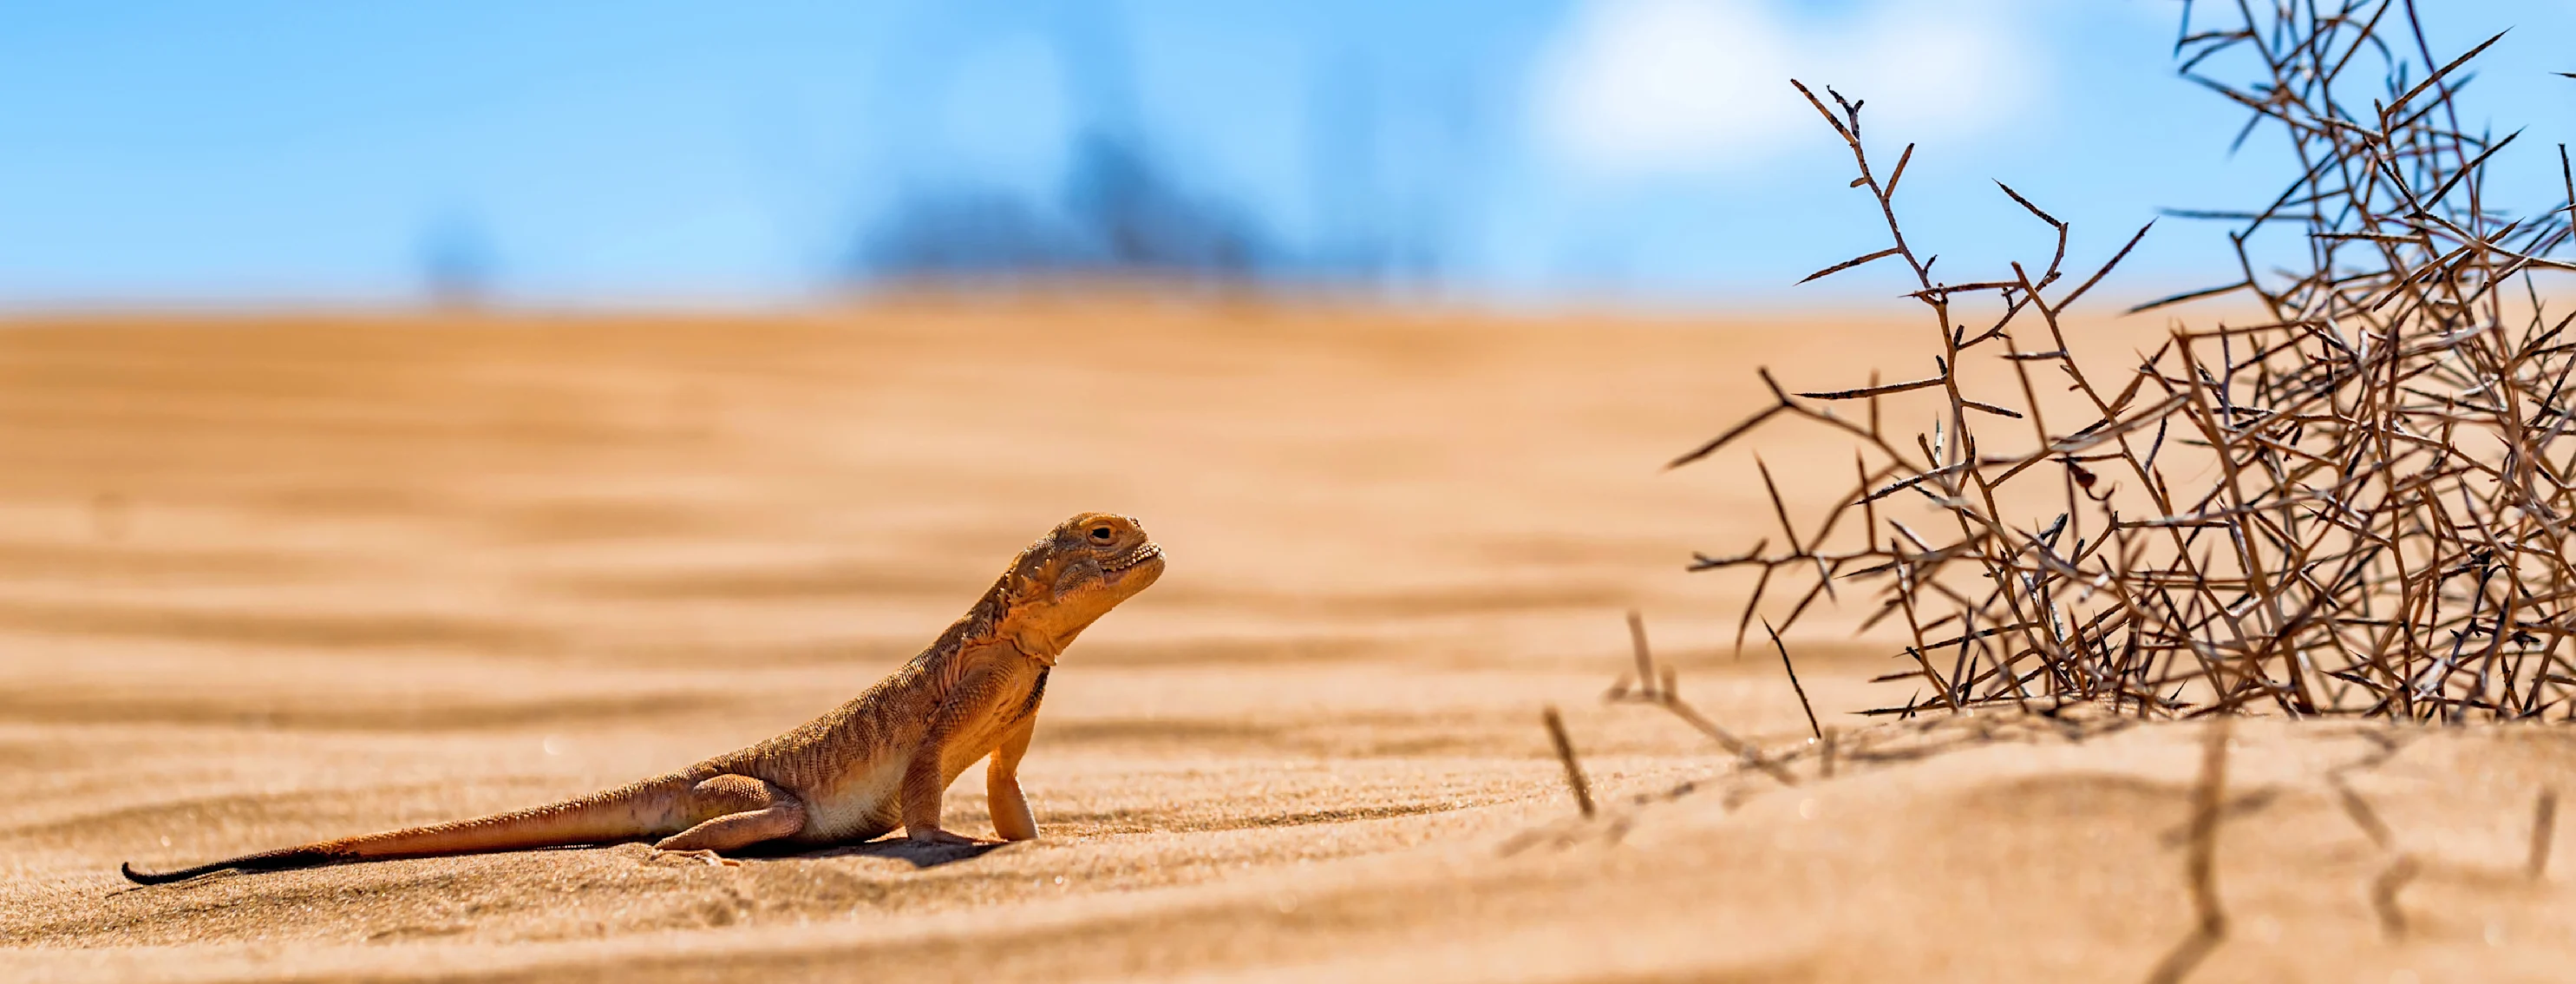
(640,810)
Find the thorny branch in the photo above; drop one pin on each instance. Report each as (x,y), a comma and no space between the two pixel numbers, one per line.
(2359,504)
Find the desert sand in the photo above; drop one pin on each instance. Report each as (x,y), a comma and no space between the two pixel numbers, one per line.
(267,579)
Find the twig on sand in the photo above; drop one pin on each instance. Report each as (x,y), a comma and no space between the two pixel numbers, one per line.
(1663,689)
(1573,769)
(1812,727)
(1744,750)
(1645,656)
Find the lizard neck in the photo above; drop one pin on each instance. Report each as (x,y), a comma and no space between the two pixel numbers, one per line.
(1004,616)
(1041,655)
(1029,635)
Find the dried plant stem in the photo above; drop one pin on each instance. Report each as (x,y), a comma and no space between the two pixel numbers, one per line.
(1751,756)
(1666,693)
(1814,729)
(1573,769)
(1645,656)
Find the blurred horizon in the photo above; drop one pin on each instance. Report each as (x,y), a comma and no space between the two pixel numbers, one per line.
(1533,153)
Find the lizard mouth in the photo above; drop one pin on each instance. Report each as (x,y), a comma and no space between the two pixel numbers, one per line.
(1114,565)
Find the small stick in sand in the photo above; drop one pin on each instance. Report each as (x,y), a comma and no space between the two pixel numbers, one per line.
(1744,750)
(1812,727)
(1645,657)
(1573,769)
(1662,687)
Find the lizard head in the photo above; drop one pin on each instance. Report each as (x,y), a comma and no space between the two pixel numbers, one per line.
(1075,574)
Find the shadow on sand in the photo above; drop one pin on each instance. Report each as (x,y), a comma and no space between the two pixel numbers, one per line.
(898,847)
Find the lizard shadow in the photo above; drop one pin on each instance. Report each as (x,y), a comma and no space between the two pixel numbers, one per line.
(899,848)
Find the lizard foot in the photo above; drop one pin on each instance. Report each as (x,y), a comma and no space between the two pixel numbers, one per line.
(668,858)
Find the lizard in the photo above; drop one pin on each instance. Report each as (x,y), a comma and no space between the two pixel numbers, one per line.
(883,759)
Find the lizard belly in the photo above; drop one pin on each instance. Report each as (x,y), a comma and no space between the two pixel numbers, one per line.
(867,801)
(860,806)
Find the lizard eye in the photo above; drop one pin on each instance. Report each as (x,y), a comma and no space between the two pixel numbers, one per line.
(1100,533)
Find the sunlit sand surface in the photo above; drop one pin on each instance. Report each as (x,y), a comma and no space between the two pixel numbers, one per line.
(267,580)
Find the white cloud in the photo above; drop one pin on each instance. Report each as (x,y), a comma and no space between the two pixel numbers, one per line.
(1660,86)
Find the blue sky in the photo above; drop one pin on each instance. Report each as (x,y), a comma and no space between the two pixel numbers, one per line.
(1545,151)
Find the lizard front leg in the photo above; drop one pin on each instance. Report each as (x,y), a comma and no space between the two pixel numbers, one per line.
(1011,817)
(923,787)
(925,783)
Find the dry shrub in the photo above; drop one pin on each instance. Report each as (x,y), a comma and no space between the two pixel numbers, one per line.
(2358,505)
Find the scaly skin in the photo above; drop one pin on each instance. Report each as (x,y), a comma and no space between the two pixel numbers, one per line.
(880,761)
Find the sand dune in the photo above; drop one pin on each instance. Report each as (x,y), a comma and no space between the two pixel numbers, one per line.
(265,580)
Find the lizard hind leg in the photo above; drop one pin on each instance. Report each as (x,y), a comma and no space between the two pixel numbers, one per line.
(735,812)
